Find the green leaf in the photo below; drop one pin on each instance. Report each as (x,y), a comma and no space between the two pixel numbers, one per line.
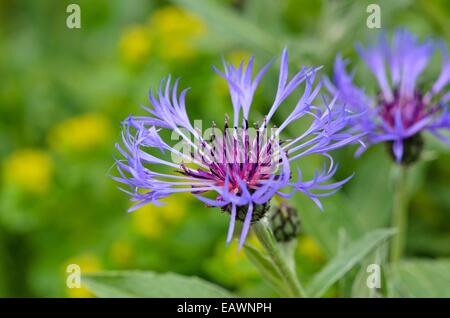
(420,278)
(265,267)
(345,260)
(325,227)
(148,284)
(376,204)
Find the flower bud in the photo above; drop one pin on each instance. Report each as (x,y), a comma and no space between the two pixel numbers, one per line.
(285,223)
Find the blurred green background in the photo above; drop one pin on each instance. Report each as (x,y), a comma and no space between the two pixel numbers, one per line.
(63,93)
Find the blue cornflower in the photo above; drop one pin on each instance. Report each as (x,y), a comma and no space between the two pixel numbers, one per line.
(241,168)
(403,109)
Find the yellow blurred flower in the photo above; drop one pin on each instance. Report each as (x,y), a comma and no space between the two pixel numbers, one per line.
(122,252)
(175,30)
(220,86)
(146,222)
(150,220)
(232,256)
(230,266)
(236,56)
(83,132)
(135,45)
(30,169)
(88,263)
(174,211)
(309,247)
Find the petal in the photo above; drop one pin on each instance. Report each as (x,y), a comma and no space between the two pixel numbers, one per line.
(231,226)
(246,226)
(397,149)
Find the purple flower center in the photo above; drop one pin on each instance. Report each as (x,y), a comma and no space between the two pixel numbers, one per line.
(236,156)
(411,109)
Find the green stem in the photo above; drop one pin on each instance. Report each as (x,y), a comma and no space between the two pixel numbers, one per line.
(399,215)
(267,240)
